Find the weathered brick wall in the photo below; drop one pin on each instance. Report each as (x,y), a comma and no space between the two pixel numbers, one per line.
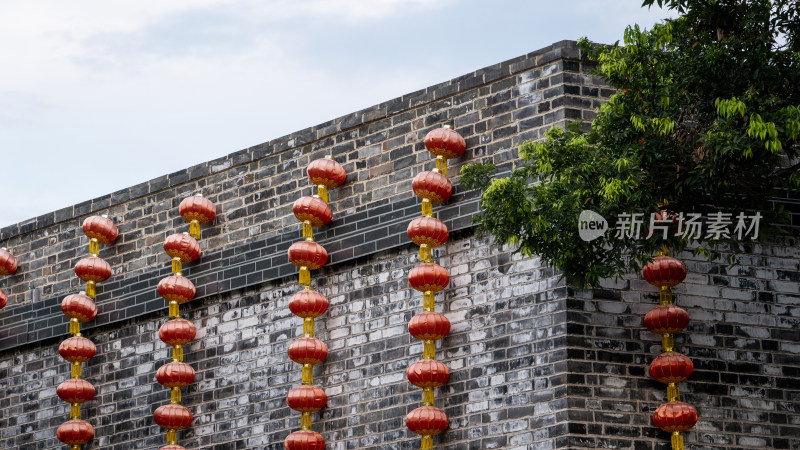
(744,339)
(507,354)
(535,366)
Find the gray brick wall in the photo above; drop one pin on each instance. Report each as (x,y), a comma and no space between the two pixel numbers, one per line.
(536,365)
(744,339)
(507,354)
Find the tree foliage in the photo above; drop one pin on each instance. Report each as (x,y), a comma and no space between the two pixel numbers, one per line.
(706,117)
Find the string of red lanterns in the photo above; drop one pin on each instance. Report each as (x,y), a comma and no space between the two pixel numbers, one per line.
(8,265)
(177,332)
(669,367)
(308,351)
(429,278)
(78,349)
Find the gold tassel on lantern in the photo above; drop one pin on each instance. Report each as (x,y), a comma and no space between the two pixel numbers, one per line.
(429,349)
(305,276)
(90,289)
(665,296)
(194,229)
(305,421)
(175,395)
(677,441)
(74,327)
(177,353)
(427,396)
(425,253)
(673,393)
(308,231)
(427,207)
(174,309)
(77,370)
(172,437)
(428,301)
(427,443)
(177,266)
(75,411)
(308,327)
(94,247)
(441,165)
(668,342)
(308,374)
(322,192)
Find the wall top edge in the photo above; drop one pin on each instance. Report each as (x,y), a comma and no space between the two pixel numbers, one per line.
(565,49)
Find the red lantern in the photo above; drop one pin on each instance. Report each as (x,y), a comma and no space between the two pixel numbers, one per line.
(308,254)
(666,319)
(664,271)
(427,421)
(428,231)
(428,373)
(307,303)
(671,367)
(3,298)
(306,398)
(326,172)
(75,390)
(429,326)
(177,332)
(432,186)
(172,447)
(182,246)
(429,277)
(675,416)
(197,208)
(77,349)
(307,350)
(175,288)
(445,142)
(175,374)
(8,264)
(75,432)
(312,209)
(304,440)
(173,416)
(93,269)
(79,306)
(100,228)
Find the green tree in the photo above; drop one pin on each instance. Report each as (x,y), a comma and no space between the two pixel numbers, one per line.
(706,118)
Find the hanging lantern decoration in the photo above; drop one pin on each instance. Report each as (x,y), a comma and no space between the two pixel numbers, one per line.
(670,367)
(8,265)
(176,289)
(81,308)
(433,187)
(75,432)
(428,233)
(313,212)
(197,210)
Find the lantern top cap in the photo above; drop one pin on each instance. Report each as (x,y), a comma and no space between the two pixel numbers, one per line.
(448,126)
(3,248)
(185,233)
(198,194)
(329,157)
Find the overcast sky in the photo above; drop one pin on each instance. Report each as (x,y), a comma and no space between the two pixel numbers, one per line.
(99,95)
